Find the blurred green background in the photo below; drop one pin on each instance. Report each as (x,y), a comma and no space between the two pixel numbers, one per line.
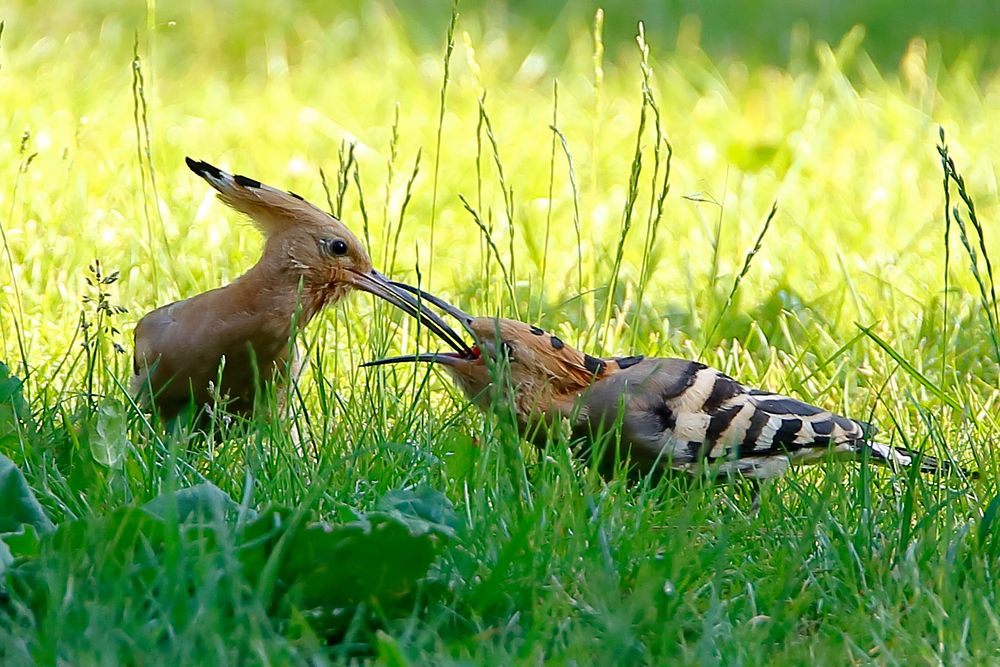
(755,31)
(761,100)
(762,31)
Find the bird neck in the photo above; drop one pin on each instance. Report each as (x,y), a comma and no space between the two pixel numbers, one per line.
(280,291)
(546,403)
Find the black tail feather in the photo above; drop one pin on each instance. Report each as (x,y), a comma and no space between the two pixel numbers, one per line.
(901,457)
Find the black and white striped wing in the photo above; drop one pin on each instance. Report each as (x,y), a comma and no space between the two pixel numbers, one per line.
(699,414)
(720,418)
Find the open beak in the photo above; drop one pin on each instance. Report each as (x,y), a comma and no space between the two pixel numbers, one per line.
(446,358)
(417,298)
(401,296)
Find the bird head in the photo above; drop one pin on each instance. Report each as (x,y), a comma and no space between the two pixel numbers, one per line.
(544,372)
(307,245)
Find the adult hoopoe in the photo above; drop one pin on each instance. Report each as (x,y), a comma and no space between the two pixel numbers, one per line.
(673,413)
(310,259)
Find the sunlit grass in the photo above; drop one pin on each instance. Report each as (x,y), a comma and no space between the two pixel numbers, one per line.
(615,255)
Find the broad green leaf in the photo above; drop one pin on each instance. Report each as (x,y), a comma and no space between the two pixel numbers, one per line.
(23,543)
(18,504)
(266,526)
(425,504)
(331,568)
(378,559)
(200,502)
(256,538)
(109,436)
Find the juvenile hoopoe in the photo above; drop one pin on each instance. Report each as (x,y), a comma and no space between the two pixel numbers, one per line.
(310,259)
(673,413)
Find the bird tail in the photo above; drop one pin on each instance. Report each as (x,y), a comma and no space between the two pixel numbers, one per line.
(900,457)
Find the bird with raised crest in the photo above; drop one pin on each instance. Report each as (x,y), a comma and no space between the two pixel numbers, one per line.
(243,333)
(672,413)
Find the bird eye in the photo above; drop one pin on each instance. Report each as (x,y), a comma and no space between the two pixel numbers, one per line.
(334,246)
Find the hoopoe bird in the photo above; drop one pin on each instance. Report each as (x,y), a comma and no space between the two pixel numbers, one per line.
(310,259)
(672,413)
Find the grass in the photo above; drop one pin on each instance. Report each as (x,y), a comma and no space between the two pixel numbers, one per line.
(642,194)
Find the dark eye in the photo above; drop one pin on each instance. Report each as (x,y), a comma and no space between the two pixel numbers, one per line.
(334,246)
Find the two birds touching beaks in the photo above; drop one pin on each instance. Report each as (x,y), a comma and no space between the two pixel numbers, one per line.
(663,413)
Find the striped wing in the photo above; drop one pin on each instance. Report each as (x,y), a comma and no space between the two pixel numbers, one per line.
(689,413)
(754,422)
(719,418)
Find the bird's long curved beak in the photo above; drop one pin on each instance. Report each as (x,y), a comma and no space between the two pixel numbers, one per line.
(464,318)
(463,353)
(446,358)
(401,295)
